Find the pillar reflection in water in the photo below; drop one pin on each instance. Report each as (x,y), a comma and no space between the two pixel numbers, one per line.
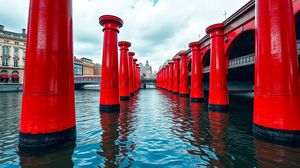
(116,143)
(61,157)
(272,155)
(218,131)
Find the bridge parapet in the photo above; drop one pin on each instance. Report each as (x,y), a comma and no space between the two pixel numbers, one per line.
(87,79)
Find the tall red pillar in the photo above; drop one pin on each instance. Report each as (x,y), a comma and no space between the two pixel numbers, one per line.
(124,74)
(131,73)
(176,75)
(48,108)
(167,77)
(183,86)
(218,91)
(164,77)
(138,78)
(197,94)
(109,94)
(170,76)
(134,74)
(277,89)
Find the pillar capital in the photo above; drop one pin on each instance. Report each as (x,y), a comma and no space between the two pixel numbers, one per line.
(131,54)
(215,29)
(171,63)
(135,60)
(195,46)
(182,54)
(124,45)
(110,22)
(175,59)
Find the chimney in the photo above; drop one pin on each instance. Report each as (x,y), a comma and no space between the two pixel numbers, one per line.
(24,31)
(1,27)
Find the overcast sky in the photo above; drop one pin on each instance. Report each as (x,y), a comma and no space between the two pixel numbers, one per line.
(157,29)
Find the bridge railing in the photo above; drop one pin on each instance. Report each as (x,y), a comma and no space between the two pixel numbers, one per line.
(87,79)
(237,62)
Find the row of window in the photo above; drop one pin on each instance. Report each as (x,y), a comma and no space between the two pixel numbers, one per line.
(5,62)
(6,50)
(16,42)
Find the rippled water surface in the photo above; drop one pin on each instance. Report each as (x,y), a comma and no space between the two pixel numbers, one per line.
(154,129)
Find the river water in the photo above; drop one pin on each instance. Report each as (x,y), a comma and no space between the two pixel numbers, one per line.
(154,129)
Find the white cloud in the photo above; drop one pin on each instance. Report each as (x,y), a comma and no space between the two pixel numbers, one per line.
(157,32)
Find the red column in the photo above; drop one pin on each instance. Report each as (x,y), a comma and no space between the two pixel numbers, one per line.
(183,84)
(218,91)
(131,73)
(138,78)
(109,94)
(197,94)
(48,110)
(124,74)
(134,74)
(176,75)
(163,77)
(167,77)
(170,76)
(277,90)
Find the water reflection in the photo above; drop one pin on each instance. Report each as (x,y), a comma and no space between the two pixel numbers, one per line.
(59,158)
(218,131)
(115,142)
(110,149)
(270,155)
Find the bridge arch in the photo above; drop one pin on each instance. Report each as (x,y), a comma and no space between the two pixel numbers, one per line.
(240,61)
(243,44)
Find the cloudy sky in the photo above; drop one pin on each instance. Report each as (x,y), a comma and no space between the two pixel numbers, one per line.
(157,29)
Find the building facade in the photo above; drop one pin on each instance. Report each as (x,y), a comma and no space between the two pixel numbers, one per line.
(78,67)
(88,66)
(146,71)
(98,69)
(12,55)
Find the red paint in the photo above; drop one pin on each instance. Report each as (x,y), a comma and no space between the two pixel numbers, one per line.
(124,74)
(176,75)
(48,95)
(277,89)
(134,74)
(167,77)
(170,76)
(109,94)
(218,91)
(183,84)
(197,71)
(131,73)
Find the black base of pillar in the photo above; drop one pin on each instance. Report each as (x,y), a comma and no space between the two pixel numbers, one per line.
(39,143)
(109,108)
(124,98)
(197,100)
(218,108)
(282,137)
(176,93)
(131,94)
(184,95)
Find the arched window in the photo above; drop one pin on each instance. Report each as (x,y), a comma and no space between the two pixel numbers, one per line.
(5,51)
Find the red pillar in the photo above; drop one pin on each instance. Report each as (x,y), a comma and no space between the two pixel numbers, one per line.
(138,78)
(170,76)
(183,84)
(131,73)
(276,89)
(124,74)
(48,110)
(176,75)
(218,91)
(134,74)
(167,76)
(197,94)
(109,94)
(163,78)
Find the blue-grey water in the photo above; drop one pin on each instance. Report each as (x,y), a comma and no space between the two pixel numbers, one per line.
(154,129)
